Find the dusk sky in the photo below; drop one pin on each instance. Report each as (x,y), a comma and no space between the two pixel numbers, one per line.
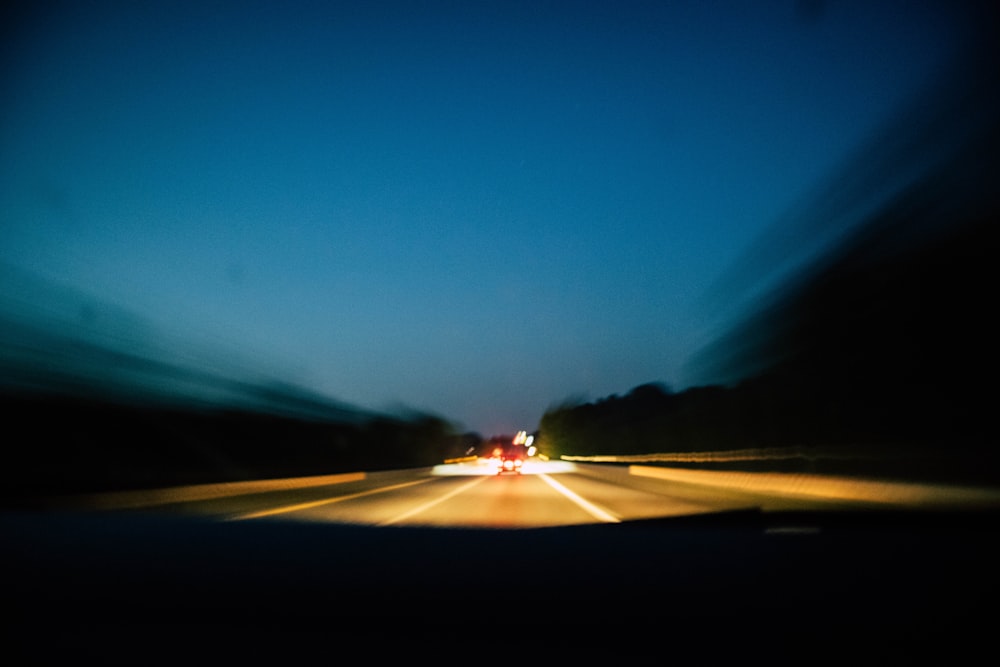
(476,209)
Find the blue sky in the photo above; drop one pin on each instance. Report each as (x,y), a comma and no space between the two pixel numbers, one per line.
(475,209)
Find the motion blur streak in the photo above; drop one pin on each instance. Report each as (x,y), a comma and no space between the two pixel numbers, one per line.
(318,503)
(931,169)
(867,313)
(476,467)
(153,497)
(56,339)
(725,456)
(487,467)
(833,488)
(588,506)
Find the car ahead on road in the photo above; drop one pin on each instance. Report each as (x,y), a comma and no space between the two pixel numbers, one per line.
(511,460)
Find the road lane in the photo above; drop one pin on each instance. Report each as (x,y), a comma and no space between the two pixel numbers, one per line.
(630,503)
(506,501)
(487,500)
(589,507)
(307,505)
(420,509)
(473,496)
(468,494)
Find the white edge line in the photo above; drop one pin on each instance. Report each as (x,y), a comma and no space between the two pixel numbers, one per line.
(428,505)
(326,501)
(589,507)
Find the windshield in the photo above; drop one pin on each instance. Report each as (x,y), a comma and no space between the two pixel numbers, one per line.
(327,262)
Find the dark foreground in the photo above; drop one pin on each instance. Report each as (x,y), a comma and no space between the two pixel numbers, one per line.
(136,588)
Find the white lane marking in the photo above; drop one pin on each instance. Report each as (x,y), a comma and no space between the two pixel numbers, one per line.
(587,506)
(436,501)
(325,501)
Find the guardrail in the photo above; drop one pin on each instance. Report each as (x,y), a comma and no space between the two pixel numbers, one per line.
(806,486)
(462,459)
(140,498)
(799,485)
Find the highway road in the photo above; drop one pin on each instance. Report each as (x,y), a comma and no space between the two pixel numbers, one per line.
(465,494)
(546,494)
(471,495)
(574,551)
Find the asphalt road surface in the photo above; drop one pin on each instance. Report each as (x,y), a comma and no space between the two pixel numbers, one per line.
(469,495)
(545,494)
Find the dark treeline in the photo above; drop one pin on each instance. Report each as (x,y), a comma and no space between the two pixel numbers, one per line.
(888,354)
(885,366)
(883,345)
(69,444)
(95,404)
